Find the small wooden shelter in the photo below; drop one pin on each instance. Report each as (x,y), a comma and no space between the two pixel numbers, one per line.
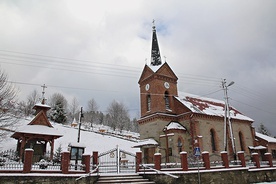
(37,134)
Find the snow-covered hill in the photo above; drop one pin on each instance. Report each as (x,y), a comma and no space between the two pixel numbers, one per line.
(93,140)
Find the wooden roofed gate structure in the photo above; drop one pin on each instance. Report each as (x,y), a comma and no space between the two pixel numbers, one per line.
(37,134)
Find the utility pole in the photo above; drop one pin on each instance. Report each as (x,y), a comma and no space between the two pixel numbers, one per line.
(227,117)
(80,116)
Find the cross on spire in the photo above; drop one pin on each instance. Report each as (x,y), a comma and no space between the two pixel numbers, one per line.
(43,93)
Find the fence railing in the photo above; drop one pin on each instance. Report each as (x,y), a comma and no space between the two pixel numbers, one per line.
(190,162)
(182,163)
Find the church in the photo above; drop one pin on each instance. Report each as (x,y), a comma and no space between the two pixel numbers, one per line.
(173,121)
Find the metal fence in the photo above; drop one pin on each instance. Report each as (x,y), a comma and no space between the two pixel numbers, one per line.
(9,160)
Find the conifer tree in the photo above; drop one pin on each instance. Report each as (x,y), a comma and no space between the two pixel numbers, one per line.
(263,130)
(58,113)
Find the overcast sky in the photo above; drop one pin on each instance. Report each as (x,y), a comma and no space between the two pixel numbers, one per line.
(97,49)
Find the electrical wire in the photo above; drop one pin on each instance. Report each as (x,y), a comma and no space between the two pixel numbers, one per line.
(92,67)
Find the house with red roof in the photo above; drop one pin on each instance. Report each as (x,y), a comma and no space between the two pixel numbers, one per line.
(265,144)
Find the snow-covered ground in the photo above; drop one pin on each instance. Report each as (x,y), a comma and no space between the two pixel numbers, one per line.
(92,140)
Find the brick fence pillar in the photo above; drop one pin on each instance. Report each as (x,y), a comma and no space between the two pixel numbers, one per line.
(138,160)
(28,159)
(256,159)
(184,160)
(157,161)
(86,162)
(206,159)
(268,158)
(241,158)
(65,159)
(224,158)
(95,159)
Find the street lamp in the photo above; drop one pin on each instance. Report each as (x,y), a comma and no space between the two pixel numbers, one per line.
(227,117)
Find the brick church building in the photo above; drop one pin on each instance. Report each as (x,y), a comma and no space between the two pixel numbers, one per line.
(173,121)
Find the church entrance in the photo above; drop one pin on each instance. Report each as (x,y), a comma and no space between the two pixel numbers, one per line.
(117,161)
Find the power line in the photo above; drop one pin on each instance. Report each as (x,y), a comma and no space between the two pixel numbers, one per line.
(65,87)
(61,58)
(254,107)
(68,64)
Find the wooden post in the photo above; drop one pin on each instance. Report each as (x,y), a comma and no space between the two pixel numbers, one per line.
(256,159)
(224,158)
(268,157)
(157,161)
(28,158)
(52,144)
(86,162)
(65,159)
(138,160)
(184,160)
(241,158)
(22,146)
(206,159)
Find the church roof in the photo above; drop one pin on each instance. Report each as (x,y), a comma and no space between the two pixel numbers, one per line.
(175,126)
(208,106)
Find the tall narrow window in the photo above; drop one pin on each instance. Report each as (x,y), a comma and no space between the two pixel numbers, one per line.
(179,145)
(241,141)
(148,102)
(213,140)
(167,100)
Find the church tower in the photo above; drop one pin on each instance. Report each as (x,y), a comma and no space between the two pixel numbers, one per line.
(173,121)
(158,84)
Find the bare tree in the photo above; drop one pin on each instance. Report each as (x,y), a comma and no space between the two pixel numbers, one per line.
(74,108)
(7,105)
(32,99)
(92,106)
(92,115)
(119,117)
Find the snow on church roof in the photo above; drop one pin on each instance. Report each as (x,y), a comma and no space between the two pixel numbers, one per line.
(208,106)
(155,68)
(175,126)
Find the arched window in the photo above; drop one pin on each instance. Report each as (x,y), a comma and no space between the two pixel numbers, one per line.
(241,141)
(148,102)
(179,145)
(167,100)
(213,139)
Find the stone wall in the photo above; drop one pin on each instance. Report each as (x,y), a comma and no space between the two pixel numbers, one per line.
(240,176)
(28,179)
